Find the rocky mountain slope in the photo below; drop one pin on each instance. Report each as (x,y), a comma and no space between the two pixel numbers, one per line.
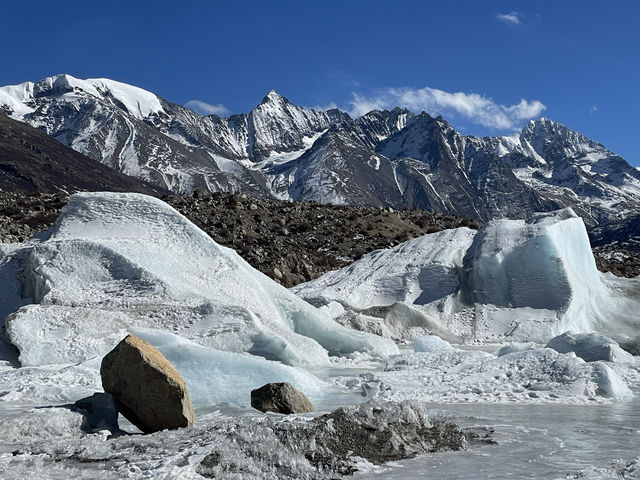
(279,150)
(617,246)
(33,162)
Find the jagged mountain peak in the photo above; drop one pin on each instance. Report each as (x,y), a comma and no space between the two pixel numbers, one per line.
(545,125)
(273,97)
(545,132)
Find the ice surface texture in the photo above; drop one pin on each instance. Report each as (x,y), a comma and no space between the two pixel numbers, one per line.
(246,447)
(513,280)
(115,263)
(590,347)
(539,375)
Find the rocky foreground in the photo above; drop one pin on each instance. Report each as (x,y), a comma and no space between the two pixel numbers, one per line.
(291,242)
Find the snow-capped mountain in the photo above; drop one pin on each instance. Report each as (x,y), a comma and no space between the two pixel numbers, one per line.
(384,158)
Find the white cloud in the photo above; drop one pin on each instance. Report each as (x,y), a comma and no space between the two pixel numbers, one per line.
(475,107)
(593,109)
(324,108)
(204,108)
(512,18)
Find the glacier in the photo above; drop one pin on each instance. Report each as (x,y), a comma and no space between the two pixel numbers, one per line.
(514,280)
(119,263)
(482,336)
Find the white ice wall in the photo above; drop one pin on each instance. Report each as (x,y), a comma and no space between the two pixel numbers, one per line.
(514,279)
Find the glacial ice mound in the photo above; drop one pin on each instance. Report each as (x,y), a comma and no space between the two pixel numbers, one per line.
(119,263)
(590,347)
(430,344)
(116,261)
(514,280)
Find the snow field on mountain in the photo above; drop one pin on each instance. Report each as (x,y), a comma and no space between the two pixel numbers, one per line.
(512,280)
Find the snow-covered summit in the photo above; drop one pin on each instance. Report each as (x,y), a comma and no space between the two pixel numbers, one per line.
(273,96)
(134,100)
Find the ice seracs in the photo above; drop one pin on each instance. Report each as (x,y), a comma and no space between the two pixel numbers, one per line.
(514,280)
(115,264)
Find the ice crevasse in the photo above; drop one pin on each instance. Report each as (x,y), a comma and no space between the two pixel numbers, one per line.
(115,263)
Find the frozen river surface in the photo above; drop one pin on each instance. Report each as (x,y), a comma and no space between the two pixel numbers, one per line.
(534,441)
(541,441)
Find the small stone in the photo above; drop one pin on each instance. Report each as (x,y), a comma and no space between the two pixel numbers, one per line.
(280,398)
(148,390)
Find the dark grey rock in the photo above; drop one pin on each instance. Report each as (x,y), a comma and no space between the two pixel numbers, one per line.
(329,446)
(280,397)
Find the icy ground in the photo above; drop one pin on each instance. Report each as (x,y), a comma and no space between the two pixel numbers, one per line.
(550,441)
(120,263)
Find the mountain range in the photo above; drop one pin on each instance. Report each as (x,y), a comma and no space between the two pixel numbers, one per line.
(391,158)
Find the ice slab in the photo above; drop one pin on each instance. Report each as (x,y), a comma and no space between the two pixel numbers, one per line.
(213,376)
(590,347)
(431,343)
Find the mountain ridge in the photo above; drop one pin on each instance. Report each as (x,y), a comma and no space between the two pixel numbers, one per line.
(390,158)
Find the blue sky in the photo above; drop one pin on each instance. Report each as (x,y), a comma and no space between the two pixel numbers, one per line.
(486,66)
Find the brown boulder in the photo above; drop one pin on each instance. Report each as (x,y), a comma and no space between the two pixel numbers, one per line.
(148,390)
(280,398)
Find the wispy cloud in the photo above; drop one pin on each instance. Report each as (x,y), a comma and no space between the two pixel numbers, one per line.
(593,110)
(475,107)
(204,108)
(324,108)
(512,18)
